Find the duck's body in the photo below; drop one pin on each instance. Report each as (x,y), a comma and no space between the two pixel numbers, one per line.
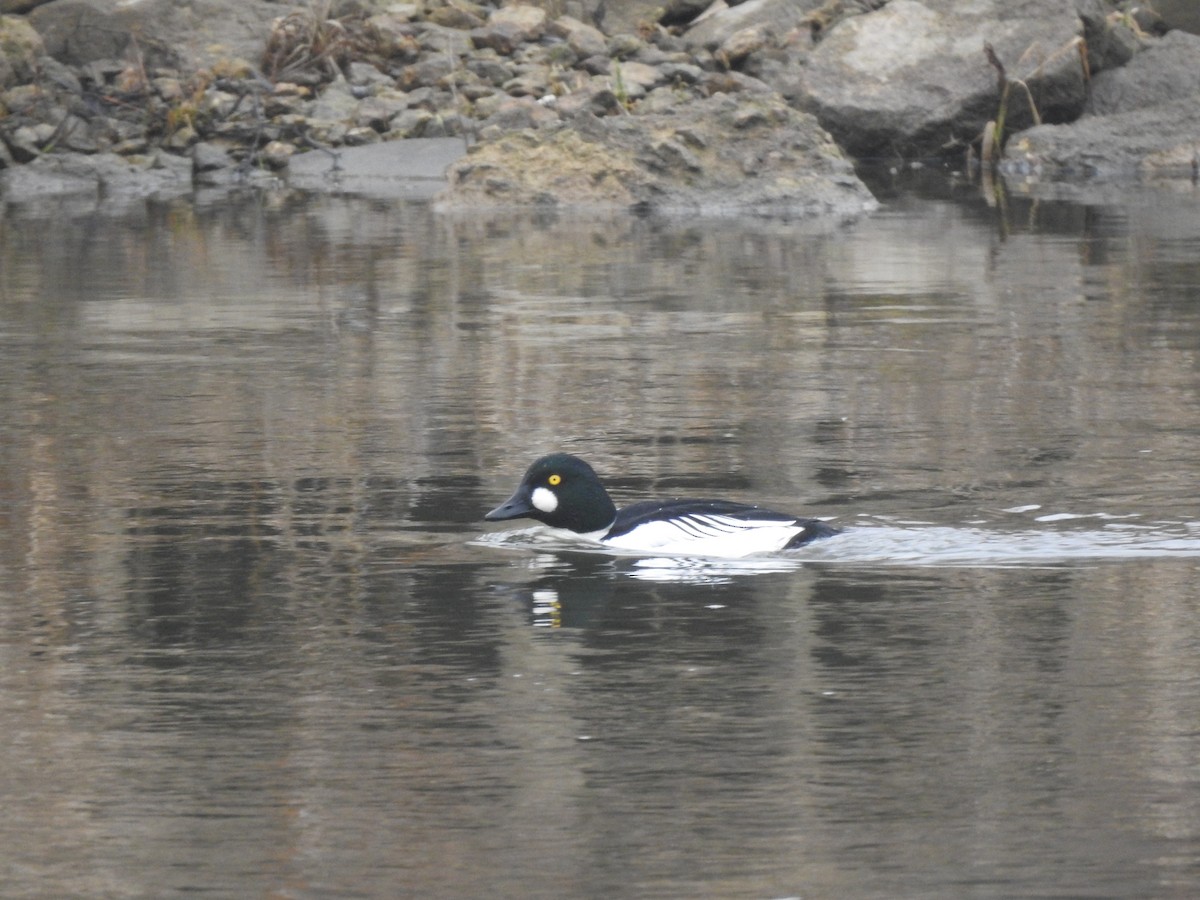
(564,493)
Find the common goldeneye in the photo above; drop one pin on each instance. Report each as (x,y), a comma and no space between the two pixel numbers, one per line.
(563,492)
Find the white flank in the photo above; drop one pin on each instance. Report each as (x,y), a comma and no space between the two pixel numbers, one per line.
(708,535)
(544,499)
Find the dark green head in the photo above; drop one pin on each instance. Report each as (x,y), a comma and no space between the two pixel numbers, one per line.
(561,491)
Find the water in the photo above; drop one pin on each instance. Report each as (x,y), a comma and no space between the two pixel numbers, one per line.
(256,642)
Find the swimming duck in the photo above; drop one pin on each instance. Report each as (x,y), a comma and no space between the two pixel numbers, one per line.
(564,493)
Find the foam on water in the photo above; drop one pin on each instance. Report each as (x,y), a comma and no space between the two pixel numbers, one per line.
(881,541)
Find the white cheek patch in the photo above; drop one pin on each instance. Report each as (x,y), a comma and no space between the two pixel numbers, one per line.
(544,500)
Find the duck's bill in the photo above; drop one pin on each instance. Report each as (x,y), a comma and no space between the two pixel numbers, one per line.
(515,507)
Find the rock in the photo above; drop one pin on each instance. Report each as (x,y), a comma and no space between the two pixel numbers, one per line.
(411,123)
(394,36)
(1168,69)
(732,83)
(336,104)
(1158,141)
(735,48)
(427,72)
(412,169)
(189,35)
(641,76)
(1111,42)
(449,41)
(1181,14)
(1142,119)
(775,17)
(207,157)
(20,48)
(360,135)
(277,154)
(912,78)
(583,39)
(455,15)
(23,100)
(680,12)
(707,157)
(378,112)
(490,69)
(181,138)
(19,6)
(509,27)
(595,97)
(516,113)
(25,143)
(627,16)
(109,178)
(624,46)
(532,84)
(699,121)
(367,74)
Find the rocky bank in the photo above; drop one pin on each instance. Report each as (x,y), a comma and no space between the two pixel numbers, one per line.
(759,107)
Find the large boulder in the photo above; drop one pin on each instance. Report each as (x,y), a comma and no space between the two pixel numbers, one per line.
(1167,69)
(913,79)
(165,32)
(726,154)
(1143,119)
(1160,141)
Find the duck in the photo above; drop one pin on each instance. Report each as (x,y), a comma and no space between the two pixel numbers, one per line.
(565,494)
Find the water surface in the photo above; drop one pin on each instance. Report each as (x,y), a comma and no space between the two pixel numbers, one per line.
(256,641)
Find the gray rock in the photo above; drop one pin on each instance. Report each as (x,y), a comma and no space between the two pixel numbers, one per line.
(8,7)
(583,39)
(776,17)
(1181,14)
(336,104)
(720,155)
(1144,119)
(1168,69)
(625,46)
(394,36)
(20,48)
(188,35)
(509,27)
(457,16)
(109,178)
(1162,140)
(411,169)
(25,143)
(411,123)
(640,75)
(490,69)
(435,39)
(378,112)
(627,16)
(678,12)
(912,78)
(367,74)
(427,72)
(207,157)
(1110,40)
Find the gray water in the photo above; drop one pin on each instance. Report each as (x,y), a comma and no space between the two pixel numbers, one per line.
(256,642)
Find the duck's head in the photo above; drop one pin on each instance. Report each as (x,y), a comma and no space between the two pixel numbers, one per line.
(561,491)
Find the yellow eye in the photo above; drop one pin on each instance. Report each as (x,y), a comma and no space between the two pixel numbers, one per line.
(554,480)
